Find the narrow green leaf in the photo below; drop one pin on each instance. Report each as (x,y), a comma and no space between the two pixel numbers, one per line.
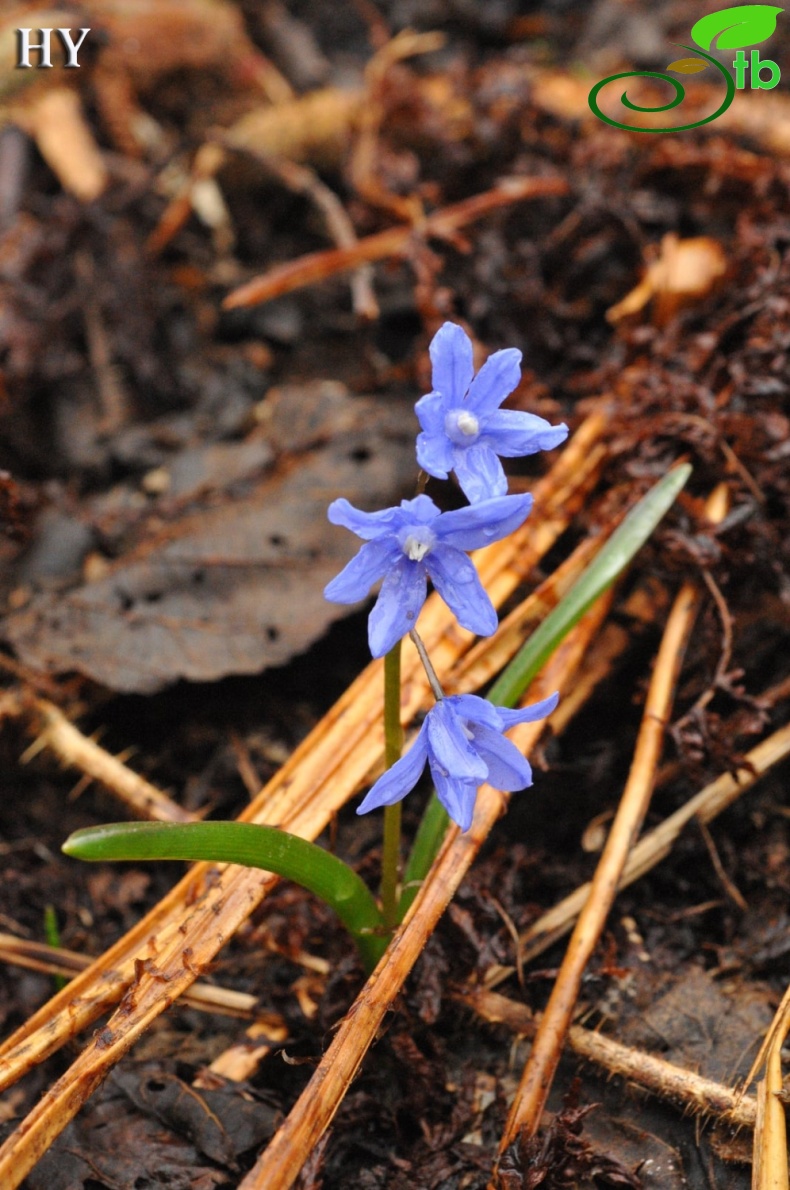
(252,846)
(427,841)
(613,558)
(621,547)
(52,932)
(746,24)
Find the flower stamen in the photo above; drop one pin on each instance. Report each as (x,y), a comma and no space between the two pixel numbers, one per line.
(468,424)
(461,426)
(417,542)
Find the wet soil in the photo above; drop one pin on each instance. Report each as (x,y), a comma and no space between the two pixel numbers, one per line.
(166,462)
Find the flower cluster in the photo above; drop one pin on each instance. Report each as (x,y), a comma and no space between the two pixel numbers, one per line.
(464,431)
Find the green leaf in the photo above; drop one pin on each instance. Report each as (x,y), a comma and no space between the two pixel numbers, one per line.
(627,539)
(687,65)
(746,24)
(432,829)
(253,846)
(612,559)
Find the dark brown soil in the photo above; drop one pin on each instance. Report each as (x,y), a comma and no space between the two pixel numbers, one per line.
(170,460)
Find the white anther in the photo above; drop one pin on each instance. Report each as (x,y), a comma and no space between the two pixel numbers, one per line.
(468,424)
(414,549)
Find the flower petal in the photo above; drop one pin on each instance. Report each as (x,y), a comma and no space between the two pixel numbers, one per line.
(435,454)
(356,578)
(398,605)
(449,746)
(536,710)
(367,525)
(456,580)
(453,365)
(421,509)
(400,779)
(475,709)
(513,434)
(507,768)
(431,410)
(479,524)
(497,378)
(458,797)
(479,472)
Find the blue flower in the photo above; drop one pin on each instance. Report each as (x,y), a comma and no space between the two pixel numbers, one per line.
(407,545)
(463,743)
(464,430)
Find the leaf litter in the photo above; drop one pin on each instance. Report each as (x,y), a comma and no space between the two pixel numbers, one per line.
(144,445)
(233,553)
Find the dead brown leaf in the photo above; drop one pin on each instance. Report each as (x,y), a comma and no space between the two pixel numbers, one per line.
(684,272)
(233,582)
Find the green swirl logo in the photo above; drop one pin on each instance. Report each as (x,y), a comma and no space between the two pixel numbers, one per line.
(731,28)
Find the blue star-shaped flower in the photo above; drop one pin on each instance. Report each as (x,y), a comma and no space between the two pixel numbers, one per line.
(409,544)
(463,743)
(464,430)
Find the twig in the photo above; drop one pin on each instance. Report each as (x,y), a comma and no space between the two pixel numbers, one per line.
(298,178)
(770,1165)
(660,1078)
(658,843)
(362,165)
(113,400)
(395,241)
(734,893)
(51,960)
(301,179)
(725,656)
(540,1068)
(73,748)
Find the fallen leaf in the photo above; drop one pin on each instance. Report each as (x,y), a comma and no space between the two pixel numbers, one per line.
(685,272)
(113,1145)
(221,1124)
(232,583)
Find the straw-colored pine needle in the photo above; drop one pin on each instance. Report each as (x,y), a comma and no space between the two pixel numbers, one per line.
(76,750)
(770,1164)
(658,843)
(661,1078)
(56,960)
(541,1065)
(209,903)
(280,1164)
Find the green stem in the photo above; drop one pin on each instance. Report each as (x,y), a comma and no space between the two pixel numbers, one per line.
(393,746)
(390,865)
(253,846)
